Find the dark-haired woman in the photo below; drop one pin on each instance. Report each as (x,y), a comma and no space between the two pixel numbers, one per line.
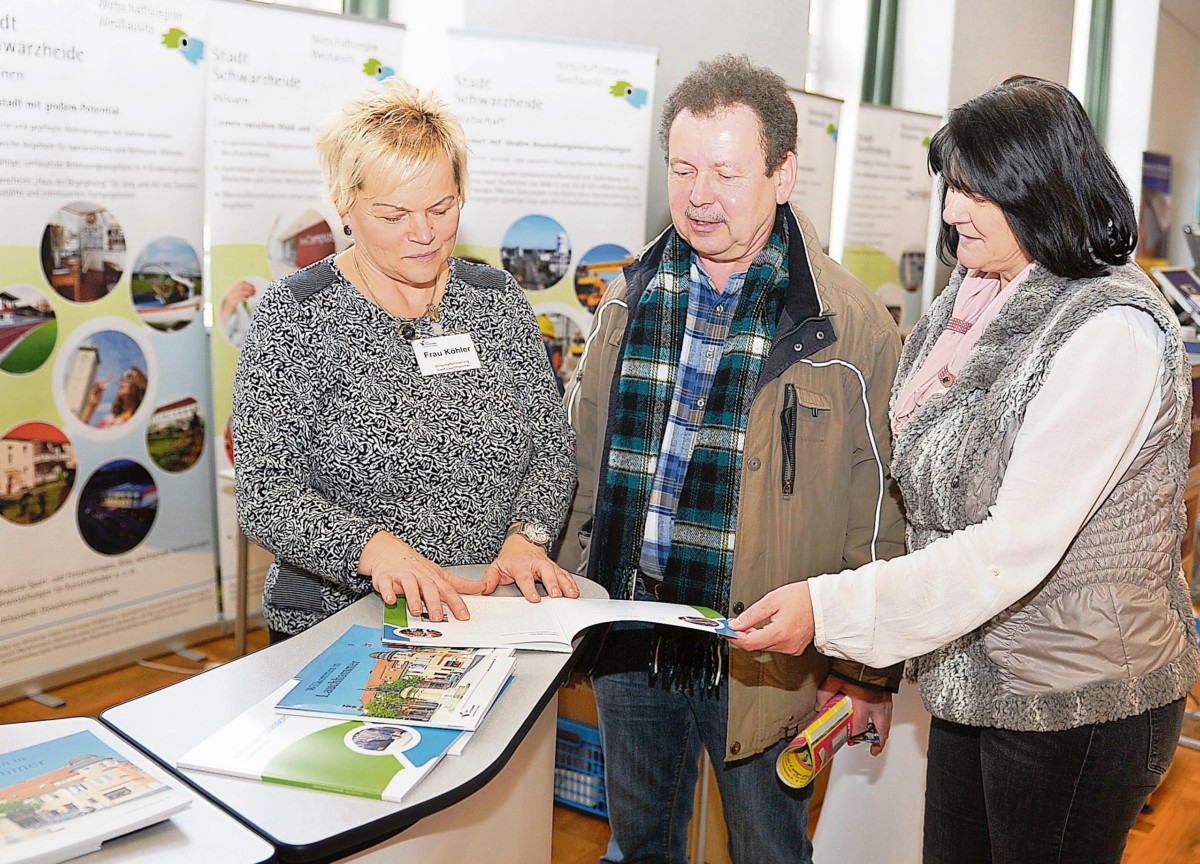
(1041,422)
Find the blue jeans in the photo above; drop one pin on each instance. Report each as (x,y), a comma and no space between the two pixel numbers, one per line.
(652,739)
(994,795)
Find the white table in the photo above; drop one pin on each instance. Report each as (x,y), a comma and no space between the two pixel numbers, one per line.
(202,832)
(494,803)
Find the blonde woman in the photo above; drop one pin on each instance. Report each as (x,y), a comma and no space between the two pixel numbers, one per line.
(394,410)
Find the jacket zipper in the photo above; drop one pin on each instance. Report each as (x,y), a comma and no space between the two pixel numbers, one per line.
(787,423)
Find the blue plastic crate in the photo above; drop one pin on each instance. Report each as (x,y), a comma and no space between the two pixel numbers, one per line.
(579,768)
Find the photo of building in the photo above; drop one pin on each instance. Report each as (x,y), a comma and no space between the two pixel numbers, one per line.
(537,251)
(37,470)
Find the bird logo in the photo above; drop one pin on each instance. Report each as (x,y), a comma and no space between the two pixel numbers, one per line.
(832,130)
(377,70)
(635,96)
(190,47)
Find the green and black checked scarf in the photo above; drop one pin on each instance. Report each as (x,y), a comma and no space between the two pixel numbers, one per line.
(700,564)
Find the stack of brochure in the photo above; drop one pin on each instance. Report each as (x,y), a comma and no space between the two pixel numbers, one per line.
(376,711)
(362,718)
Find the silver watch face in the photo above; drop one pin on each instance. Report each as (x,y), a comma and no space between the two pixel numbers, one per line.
(536,533)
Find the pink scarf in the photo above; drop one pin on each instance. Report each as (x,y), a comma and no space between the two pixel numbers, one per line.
(979,299)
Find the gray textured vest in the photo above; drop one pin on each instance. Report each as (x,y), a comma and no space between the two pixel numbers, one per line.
(1109,633)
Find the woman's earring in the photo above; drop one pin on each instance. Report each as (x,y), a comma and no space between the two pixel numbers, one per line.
(346,230)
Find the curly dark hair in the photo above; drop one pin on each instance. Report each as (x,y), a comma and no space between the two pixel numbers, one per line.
(730,80)
(1027,146)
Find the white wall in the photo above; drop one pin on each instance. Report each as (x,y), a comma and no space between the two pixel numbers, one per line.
(995,40)
(1175,117)
(773,33)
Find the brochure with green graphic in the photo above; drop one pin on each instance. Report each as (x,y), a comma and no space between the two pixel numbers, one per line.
(514,622)
(359,678)
(351,757)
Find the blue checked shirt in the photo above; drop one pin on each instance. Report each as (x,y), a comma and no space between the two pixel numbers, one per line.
(708,317)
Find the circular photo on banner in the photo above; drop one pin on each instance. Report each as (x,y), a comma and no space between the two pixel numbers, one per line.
(38,472)
(563,334)
(166,284)
(105,380)
(175,435)
(536,250)
(28,328)
(598,266)
(117,506)
(237,306)
(83,251)
(297,240)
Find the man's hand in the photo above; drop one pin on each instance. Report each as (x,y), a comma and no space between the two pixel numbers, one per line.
(523,563)
(788,614)
(870,706)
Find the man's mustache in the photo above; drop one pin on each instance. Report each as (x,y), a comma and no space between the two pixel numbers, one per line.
(702,215)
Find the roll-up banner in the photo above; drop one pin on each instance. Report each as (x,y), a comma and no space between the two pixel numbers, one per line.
(106,468)
(817,120)
(275,75)
(559,134)
(887,224)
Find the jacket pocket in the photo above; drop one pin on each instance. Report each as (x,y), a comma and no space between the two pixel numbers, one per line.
(787,437)
(803,418)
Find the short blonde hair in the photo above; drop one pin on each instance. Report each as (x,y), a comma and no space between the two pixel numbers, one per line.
(395,128)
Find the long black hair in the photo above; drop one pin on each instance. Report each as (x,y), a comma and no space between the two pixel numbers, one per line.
(1027,146)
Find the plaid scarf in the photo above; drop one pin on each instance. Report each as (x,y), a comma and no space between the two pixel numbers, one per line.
(700,564)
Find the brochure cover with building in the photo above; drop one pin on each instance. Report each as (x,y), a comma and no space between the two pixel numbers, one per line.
(359,677)
(350,757)
(546,626)
(64,797)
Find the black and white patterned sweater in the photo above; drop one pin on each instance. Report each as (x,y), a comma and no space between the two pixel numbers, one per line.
(337,435)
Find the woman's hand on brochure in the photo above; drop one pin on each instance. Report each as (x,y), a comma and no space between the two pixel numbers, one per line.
(524,564)
(786,617)
(396,569)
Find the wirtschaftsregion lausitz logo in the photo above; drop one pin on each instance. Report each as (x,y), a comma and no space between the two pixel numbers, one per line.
(635,96)
(190,47)
(377,69)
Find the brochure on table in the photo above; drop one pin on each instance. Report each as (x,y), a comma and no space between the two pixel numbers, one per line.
(371,760)
(357,677)
(63,797)
(550,625)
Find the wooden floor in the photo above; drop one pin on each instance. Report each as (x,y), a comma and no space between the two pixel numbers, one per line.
(1168,834)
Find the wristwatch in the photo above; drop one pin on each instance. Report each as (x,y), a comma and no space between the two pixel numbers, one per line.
(534,532)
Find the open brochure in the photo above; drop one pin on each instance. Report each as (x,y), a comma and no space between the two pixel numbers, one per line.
(357,677)
(64,797)
(352,757)
(550,625)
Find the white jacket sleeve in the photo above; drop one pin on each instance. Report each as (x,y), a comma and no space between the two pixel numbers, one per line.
(1096,409)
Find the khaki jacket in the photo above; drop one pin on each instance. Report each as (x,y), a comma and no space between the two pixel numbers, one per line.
(823,396)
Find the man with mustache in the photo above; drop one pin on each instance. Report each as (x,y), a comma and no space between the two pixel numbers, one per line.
(731,413)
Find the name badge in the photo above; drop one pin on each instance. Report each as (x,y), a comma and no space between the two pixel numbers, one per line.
(441,354)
